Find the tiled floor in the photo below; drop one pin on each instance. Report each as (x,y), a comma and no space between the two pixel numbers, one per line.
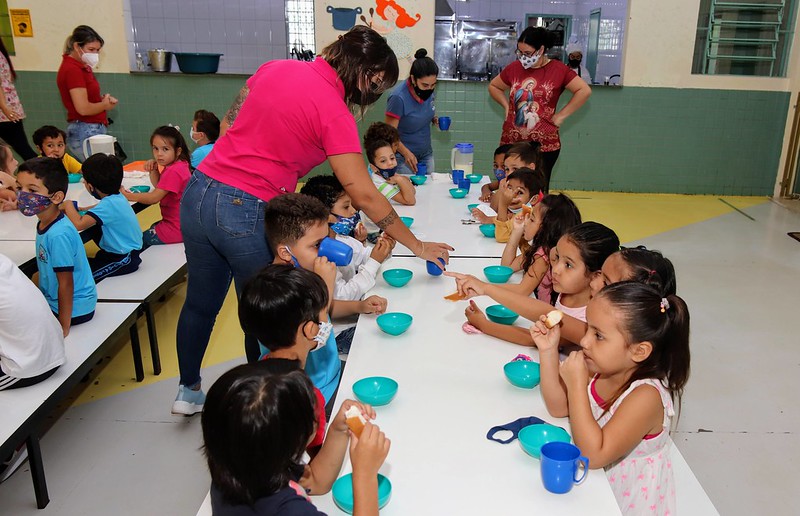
(118,451)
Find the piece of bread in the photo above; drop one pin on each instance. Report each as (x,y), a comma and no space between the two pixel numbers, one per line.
(355,421)
(553,318)
(455,296)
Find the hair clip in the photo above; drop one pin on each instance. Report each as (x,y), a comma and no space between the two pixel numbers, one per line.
(664,305)
(651,272)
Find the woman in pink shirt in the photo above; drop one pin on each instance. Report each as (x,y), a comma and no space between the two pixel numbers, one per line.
(289,117)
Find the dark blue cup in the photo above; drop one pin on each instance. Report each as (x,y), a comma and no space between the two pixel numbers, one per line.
(457,175)
(433,269)
(335,251)
(444,123)
(560,466)
(464,184)
(422,169)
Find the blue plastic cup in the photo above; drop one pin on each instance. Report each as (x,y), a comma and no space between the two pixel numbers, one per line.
(444,123)
(422,169)
(464,184)
(335,251)
(457,176)
(433,269)
(560,466)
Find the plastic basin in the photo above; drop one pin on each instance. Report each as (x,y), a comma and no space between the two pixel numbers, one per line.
(197,62)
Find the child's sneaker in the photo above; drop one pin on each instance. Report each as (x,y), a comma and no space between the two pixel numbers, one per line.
(188,402)
(13,463)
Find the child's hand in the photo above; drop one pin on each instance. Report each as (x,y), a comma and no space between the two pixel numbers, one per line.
(373,305)
(468,286)
(368,452)
(6,205)
(339,419)
(389,240)
(126,193)
(381,250)
(150,165)
(518,222)
(360,233)
(7,180)
(325,270)
(475,315)
(574,372)
(486,193)
(544,338)
(482,217)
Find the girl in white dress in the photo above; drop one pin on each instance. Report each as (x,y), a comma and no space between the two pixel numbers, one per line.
(618,391)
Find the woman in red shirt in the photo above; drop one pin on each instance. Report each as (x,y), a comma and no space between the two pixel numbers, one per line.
(529,89)
(80,91)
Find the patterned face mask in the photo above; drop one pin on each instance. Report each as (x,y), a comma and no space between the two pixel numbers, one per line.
(528,61)
(345,225)
(324,333)
(30,204)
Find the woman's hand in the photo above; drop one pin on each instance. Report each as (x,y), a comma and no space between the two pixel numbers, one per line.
(12,115)
(475,315)
(433,251)
(411,160)
(435,121)
(557,119)
(574,372)
(544,338)
(468,286)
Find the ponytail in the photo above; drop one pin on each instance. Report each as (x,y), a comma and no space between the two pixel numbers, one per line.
(650,268)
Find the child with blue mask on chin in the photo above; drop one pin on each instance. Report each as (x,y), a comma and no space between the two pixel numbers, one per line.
(296,225)
(354,280)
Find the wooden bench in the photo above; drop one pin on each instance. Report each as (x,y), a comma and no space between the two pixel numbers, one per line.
(163,266)
(24,410)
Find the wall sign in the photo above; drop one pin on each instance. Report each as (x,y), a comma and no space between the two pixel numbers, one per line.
(21,23)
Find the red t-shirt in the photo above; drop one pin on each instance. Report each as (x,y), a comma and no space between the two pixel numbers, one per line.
(294,117)
(532,102)
(75,74)
(173,179)
(319,438)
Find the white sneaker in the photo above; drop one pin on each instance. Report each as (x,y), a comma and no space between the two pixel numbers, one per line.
(188,402)
(13,464)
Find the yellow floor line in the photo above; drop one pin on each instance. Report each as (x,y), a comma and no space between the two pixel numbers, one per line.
(632,216)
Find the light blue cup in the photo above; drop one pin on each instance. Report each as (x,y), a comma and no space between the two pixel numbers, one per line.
(394,323)
(375,390)
(533,437)
(522,373)
(342,492)
(497,273)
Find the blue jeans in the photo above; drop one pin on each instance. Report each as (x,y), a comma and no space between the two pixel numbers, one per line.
(402,168)
(77,132)
(150,237)
(223,234)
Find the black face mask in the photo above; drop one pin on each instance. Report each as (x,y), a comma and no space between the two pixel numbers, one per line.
(359,98)
(573,63)
(423,94)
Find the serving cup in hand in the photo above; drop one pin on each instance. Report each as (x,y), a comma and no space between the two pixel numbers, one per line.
(375,390)
(394,323)
(533,437)
(397,277)
(444,123)
(560,465)
(342,492)
(522,373)
(337,252)
(487,230)
(497,273)
(433,269)
(501,315)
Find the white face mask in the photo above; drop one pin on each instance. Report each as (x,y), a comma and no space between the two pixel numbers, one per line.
(91,59)
(193,135)
(528,62)
(324,333)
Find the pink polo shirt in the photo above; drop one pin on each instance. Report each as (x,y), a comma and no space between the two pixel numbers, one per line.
(293,118)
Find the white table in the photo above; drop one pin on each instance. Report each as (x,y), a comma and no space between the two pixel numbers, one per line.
(437,218)
(20,251)
(451,392)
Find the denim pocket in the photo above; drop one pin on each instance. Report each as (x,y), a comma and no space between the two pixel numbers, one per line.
(236,215)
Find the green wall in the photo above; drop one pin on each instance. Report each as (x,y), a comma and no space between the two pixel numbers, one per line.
(629,139)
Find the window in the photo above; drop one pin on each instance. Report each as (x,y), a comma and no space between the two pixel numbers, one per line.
(739,37)
(300,24)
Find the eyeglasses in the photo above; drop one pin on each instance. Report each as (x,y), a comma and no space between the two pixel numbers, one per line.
(520,53)
(374,87)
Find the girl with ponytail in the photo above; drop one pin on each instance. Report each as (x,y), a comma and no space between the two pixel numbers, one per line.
(619,390)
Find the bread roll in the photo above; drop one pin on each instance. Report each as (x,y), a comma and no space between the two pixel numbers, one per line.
(553,318)
(354,420)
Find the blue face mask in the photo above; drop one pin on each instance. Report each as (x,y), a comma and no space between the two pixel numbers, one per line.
(388,172)
(499,174)
(294,260)
(345,225)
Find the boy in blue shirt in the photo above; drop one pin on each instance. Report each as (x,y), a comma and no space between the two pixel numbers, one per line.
(65,278)
(121,239)
(204,133)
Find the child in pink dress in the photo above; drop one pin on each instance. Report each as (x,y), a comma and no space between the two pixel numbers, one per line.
(618,391)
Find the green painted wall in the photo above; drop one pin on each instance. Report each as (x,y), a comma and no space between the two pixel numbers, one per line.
(624,139)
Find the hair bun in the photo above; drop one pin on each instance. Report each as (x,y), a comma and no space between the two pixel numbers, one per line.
(419,54)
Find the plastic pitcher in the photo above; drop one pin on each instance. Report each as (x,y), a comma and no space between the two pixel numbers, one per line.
(461,157)
(99,143)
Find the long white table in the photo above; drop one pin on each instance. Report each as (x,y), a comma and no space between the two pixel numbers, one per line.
(437,218)
(452,390)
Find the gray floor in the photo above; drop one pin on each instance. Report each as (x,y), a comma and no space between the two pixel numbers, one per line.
(741,278)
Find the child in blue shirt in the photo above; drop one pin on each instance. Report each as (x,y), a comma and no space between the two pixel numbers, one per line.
(121,239)
(65,278)
(204,133)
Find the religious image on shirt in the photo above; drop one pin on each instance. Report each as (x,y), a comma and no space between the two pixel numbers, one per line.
(529,107)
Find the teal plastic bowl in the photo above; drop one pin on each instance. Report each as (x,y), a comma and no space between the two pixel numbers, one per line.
(459,193)
(500,314)
(533,437)
(197,62)
(487,230)
(140,189)
(523,374)
(407,221)
(418,180)
(342,492)
(474,178)
(471,207)
(375,390)
(75,178)
(497,273)
(394,323)
(397,277)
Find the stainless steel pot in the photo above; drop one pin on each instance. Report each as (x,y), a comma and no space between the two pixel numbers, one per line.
(160,59)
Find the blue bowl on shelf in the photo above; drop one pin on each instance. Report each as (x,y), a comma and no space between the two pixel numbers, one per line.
(522,373)
(487,230)
(342,492)
(375,390)
(497,273)
(407,220)
(397,277)
(533,437)
(75,178)
(418,180)
(459,193)
(394,323)
(501,315)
